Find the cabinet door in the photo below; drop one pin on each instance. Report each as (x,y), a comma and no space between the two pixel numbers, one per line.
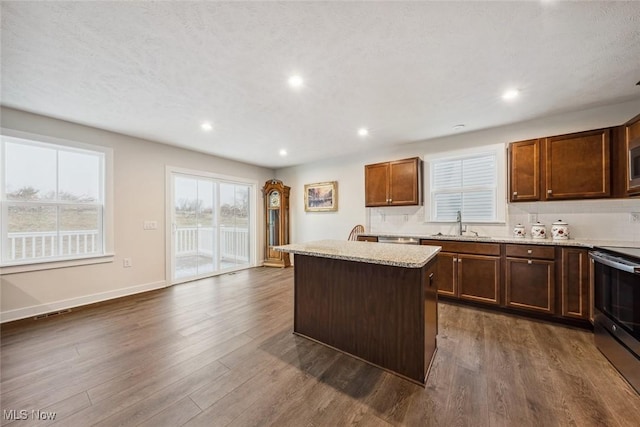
(404,182)
(575,282)
(530,284)
(479,278)
(524,171)
(376,184)
(577,166)
(446,274)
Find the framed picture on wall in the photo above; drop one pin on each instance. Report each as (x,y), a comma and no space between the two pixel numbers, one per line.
(321,197)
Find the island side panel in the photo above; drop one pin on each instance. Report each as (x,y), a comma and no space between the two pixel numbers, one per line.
(372,311)
(430,313)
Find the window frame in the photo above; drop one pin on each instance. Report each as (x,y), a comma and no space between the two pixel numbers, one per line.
(105,188)
(499,150)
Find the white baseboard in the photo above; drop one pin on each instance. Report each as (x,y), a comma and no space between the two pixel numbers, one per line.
(36,310)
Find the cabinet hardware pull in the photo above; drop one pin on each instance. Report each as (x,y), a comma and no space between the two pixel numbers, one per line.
(549,191)
(515,193)
(529,261)
(529,251)
(431,280)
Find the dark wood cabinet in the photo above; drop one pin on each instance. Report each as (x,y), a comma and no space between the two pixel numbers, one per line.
(367,238)
(468,271)
(573,166)
(530,280)
(574,282)
(396,183)
(577,166)
(524,171)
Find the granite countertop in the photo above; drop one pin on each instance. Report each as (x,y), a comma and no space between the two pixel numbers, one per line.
(585,243)
(409,256)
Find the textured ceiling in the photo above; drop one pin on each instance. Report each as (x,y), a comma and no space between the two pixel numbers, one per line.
(408,71)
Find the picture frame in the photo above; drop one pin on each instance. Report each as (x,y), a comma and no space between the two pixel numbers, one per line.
(321,197)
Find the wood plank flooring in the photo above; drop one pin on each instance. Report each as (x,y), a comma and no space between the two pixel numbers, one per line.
(220,352)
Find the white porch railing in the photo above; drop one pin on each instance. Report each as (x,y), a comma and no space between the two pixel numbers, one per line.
(40,244)
(234,242)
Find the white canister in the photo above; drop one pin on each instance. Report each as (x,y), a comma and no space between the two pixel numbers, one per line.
(538,231)
(519,231)
(560,230)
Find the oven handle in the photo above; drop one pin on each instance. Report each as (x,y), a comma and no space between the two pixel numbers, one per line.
(603,259)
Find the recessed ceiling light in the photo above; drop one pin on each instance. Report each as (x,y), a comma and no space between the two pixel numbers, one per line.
(363,132)
(283,152)
(458,127)
(510,94)
(296,81)
(206,126)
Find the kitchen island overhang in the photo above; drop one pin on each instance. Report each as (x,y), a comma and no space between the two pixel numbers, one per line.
(374,301)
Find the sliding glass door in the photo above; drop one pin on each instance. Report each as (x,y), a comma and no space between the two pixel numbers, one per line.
(211,228)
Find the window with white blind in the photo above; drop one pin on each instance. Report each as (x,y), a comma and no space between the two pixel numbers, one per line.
(471,182)
(52,200)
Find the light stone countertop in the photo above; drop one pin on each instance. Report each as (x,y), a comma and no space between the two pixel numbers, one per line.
(409,256)
(585,243)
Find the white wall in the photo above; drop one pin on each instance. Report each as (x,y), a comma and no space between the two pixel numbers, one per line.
(139,193)
(601,219)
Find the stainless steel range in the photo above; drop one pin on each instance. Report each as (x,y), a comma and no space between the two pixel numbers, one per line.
(616,316)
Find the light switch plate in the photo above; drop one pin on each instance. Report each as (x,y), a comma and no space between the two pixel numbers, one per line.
(150,225)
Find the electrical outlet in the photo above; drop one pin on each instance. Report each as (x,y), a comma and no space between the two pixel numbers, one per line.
(126,262)
(533,218)
(634,217)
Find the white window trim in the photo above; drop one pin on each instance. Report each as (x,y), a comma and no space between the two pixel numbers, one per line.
(20,266)
(500,151)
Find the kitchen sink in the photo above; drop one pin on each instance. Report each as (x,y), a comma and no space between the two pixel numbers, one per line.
(463,237)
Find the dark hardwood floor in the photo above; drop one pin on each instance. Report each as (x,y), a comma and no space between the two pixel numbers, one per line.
(221,352)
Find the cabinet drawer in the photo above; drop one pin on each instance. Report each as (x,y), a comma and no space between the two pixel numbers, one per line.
(367,238)
(465,247)
(530,251)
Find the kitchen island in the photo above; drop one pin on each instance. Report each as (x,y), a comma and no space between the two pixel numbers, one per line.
(376,302)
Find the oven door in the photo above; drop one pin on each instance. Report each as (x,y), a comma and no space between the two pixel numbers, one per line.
(617,315)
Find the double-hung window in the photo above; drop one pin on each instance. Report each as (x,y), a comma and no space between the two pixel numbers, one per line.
(470,182)
(52,199)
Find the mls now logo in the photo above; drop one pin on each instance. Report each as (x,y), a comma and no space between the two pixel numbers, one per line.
(14,414)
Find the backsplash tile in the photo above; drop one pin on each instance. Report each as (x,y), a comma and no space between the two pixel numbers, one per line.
(587,219)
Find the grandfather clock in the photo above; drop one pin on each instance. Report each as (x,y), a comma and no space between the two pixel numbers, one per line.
(276,208)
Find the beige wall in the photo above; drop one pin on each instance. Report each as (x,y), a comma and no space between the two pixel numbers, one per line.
(139,195)
(349,172)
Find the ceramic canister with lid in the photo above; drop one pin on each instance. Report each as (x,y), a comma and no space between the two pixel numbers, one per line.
(560,230)
(519,231)
(538,231)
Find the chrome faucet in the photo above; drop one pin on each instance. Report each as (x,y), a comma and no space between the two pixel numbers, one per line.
(459,221)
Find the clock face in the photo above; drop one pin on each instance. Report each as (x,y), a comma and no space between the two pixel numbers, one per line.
(274,199)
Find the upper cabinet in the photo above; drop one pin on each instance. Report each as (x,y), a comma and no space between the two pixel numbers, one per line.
(524,170)
(396,183)
(574,166)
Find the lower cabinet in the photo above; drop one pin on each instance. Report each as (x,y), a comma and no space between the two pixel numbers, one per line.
(530,284)
(550,280)
(472,275)
(530,277)
(574,283)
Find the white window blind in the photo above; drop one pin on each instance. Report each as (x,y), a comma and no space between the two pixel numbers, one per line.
(467,184)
